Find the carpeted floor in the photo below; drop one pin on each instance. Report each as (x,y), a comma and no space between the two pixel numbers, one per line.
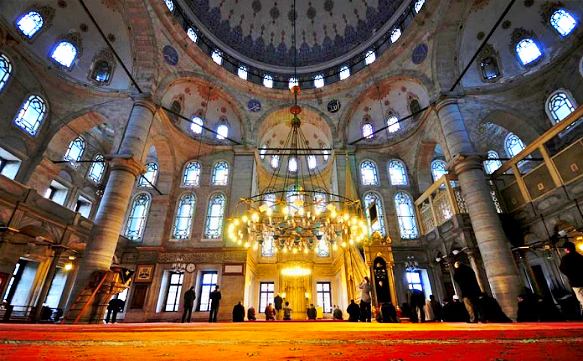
(325,341)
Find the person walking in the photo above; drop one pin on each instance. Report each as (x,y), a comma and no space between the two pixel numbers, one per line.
(365,300)
(215,298)
(470,289)
(353,311)
(572,267)
(114,306)
(278,302)
(189,297)
(239,312)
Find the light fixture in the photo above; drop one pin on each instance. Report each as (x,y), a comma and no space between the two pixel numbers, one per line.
(68,266)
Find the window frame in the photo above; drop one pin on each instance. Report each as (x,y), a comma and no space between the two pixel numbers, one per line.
(214,179)
(97,159)
(81,144)
(432,168)
(39,120)
(209,217)
(403,169)
(506,147)
(375,170)
(175,305)
(34,35)
(269,295)
(322,292)
(413,233)
(492,158)
(145,217)
(198,169)
(410,284)
(141,183)
(536,43)
(8,71)
(568,97)
(56,46)
(380,212)
(203,285)
(556,28)
(190,217)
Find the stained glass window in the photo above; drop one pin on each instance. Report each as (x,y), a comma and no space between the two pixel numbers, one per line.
(196,125)
(312,163)
(395,35)
(560,105)
(319,81)
(214,219)
(492,163)
(292,165)
(268,81)
(150,176)
(563,22)
(438,169)
(406,216)
(75,150)
(367,130)
(136,222)
(97,169)
(217,57)
(397,172)
(222,131)
(369,174)
(184,214)
(192,35)
(191,176)
(489,67)
(370,57)
(220,176)
(274,161)
(293,82)
(418,5)
(344,72)
(30,23)
(31,114)
(242,72)
(173,292)
(393,124)
(169,5)
(513,145)
(5,70)
(378,224)
(101,72)
(528,51)
(64,53)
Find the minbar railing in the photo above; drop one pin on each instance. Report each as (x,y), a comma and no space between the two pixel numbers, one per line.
(439,203)
(549,162)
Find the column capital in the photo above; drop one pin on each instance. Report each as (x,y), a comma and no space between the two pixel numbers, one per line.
(145,100)
(461,163)
(129,165)
(445,100)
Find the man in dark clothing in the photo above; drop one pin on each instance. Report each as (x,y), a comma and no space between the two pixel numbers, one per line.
(312,312)
(278,303)
(527,311)
(114,306)
(455,311)
(417,302)
(251,316)
(189,297)
(470,289)
(389,313)
(353,311)
(490,310)
(215,298)
(239,312)
(572,267)
(436,308)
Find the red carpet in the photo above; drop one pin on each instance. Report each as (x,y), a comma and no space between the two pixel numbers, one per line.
(293,341)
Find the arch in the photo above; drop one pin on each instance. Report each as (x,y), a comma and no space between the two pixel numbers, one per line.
(182,227)
(370,198)
(406,215)
(217,206)
(138,216)
(369,174)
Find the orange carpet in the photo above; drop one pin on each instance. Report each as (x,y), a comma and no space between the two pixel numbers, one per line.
(293,341)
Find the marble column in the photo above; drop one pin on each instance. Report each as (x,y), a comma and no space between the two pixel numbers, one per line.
(126,165)
(494,248)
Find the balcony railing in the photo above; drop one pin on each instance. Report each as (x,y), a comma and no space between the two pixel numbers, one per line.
(549,162)
(439,203)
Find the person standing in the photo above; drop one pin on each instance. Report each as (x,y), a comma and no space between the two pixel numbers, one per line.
(287,312)
(239,312)
(470,289)
(572,267)
(189,297)
(215,298)
(353,311)
(114,306)
(365,300)
(278,302)
(417,303)
(436,308)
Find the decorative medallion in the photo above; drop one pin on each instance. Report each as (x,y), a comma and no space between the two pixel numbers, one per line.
(170,55)
(419,54)
(334,105)
(254,105)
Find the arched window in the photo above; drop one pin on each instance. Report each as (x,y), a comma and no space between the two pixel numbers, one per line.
(513,145)
(220,175)
(370,57)
(438,169)
(274,161)
(102,71)
(31,114)
(169,5)
(418,5)
(312,162)
(184,215)
(377,223)
(64,53)
(192,35)
(397,172)
(367,130)
(489,68)
(150,177)
(320,201)
(395,35)
(30,23)
(415,107)
(344,72)
(492,163)
(242,72)
(319,81)
(292,165)
(268,81)
(393,124)
(292,82)
(214,218)
(528,51)
(222,131)
(368,173)
(563,22)
(406,216)
(217,56)
(196,125)
(97,169)
(75,150)
(559,106)
(138,216)
(5,70)
(191,176)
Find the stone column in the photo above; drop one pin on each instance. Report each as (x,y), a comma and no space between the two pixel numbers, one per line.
(494,248)
(125,167)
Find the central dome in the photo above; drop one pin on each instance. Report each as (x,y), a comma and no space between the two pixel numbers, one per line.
(262,30)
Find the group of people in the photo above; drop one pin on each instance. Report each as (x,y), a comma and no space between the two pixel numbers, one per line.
(214,299)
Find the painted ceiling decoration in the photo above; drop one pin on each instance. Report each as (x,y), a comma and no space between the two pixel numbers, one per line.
(262,29)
